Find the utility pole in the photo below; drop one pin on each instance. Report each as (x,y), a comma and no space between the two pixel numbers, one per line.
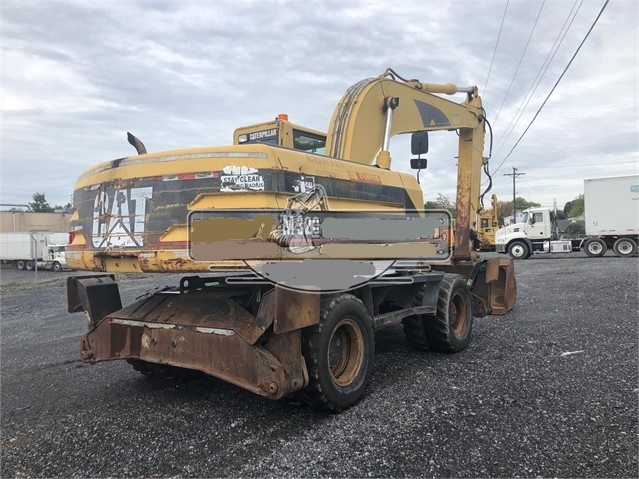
(514,174)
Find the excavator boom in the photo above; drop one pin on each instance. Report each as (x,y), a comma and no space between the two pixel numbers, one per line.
(376,109)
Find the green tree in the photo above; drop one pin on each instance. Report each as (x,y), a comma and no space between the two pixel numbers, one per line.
(505,208)
(567,208)
(577,207)
(442,202)
(40,204)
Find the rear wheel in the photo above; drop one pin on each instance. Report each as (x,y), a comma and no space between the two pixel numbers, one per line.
(518,250)
(339,354)
(624,247)
(595,247)
(450,329)
(29,265)
(20,264)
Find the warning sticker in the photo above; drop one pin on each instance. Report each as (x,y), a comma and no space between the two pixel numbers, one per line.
(241,178)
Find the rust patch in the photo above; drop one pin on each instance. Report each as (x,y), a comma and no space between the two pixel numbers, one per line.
(207,330)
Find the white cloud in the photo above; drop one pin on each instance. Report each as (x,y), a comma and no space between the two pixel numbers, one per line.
(77,75)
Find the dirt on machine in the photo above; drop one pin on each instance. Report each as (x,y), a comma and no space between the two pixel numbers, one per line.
(295,247)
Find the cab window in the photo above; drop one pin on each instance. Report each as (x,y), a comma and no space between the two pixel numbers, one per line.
(310,142)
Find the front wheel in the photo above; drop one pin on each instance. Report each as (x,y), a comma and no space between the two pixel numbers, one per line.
(624,247)
(450,329)
(518,250)
(595,247)
(339,354)
(57,267)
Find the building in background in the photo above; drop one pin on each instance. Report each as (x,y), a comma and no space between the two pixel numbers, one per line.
(31,221)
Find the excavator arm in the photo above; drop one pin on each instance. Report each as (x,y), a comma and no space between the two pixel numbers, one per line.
(374,110)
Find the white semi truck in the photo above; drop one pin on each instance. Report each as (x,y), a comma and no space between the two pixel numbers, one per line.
(30,250)
(611,216)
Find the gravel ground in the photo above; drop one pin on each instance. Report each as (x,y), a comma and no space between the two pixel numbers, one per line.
(514,404)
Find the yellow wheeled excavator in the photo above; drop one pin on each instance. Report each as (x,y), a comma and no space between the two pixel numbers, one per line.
(488,224)
(295,246)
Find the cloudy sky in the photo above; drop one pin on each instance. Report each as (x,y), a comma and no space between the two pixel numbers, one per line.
(77,75)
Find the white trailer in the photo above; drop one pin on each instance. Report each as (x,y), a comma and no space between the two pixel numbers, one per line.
(611,212)
(30,250)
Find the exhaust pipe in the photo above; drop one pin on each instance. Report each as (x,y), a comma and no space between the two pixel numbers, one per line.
(137,144)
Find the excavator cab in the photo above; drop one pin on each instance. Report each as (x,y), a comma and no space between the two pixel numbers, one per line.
(281,132)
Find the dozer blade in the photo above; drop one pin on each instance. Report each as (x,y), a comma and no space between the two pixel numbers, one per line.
(203,329)
(495,284)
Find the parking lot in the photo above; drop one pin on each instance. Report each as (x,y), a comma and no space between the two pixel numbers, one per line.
(550,390)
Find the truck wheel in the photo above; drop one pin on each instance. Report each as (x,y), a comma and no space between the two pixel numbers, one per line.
(518,250)
(595,247)
(20,264)
(415,327)
(29,265)
(450,329)
(338,353)
(624,247)
(57,267)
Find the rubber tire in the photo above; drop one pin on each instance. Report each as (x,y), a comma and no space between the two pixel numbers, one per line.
(57,267)
(519,250)
(595,248)
(344,313)
(29,266)
(624,247)
(450,330)
(20,264)
(162,371)
(415,327)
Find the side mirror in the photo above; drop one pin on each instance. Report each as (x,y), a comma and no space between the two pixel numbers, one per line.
(419,143)
(532,220)
(418,163)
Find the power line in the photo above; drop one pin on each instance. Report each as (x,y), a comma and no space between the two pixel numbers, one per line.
(556,83)
(495,50)
(519,64)
(501,141)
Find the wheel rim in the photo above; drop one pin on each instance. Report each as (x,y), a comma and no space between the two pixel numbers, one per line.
(345,352)
(459,314)
(517,250)
(625,247)
(595,247)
